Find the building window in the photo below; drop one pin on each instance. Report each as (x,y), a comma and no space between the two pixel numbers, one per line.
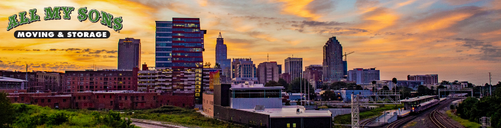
(84,97)
(120,97)
(111,103)
(110,96)
(64,100)
(48,100)
(142,97)
(78,97)
(42,100)
(125,97)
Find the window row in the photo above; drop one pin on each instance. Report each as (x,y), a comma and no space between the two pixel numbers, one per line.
(185,25)
(187,49)
(186,29)
(187,64)
(164,24)
(188,34)
(188,44)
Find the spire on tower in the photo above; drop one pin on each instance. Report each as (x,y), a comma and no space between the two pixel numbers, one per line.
(220,36)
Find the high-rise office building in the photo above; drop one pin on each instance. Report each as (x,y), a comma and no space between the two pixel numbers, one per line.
(431,79)
(267,71)
(313,74)
(243,68)
(163,45)
(333,61)
(294,66)
(279,68)
(222,57)
(179,46)
(129,53)
(363,76)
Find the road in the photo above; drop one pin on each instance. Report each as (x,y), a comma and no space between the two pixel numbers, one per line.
(153,124)
(144,125)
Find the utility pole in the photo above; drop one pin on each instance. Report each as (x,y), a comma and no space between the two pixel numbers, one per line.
(26,75)
(490,83)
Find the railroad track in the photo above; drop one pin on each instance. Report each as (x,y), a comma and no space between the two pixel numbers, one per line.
(398,123)
(367,121)
(440,120)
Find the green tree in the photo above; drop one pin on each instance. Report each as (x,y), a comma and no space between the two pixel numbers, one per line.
(394,80)
(386,88)
(296,84)
(272,83)
(7,113)
(405,92)
(422,90)
(338,85)
(283,83)
(328,95)
(497,92)
(444,82)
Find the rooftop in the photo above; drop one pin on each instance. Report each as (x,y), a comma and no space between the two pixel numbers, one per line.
(417,98)
(8,79)
(291,111)
(247,86)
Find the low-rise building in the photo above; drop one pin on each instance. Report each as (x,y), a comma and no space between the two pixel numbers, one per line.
(259,106)
(12,85)
(37,81)
(116,100)
(101,80)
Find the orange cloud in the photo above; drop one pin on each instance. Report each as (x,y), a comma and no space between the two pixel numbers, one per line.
(379,19)
(443,22)
(298,8)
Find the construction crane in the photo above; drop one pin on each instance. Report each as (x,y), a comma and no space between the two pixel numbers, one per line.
(346,55)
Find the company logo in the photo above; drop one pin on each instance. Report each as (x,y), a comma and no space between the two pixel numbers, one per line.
(93,15)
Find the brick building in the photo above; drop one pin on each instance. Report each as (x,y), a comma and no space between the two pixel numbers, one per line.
(116,100)
(101,80)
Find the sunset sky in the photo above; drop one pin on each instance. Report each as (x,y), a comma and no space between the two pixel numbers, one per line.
(457,39)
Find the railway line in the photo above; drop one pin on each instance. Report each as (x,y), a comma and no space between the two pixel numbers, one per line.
(440,120)
(437,118)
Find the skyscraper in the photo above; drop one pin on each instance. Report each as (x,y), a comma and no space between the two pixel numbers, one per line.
(363,76)
(313,74)
(430,79)
(129,53)
(294,66)
(222,57)
(179,47)
(267,71)
(163,45)
(333,69)
(243,68)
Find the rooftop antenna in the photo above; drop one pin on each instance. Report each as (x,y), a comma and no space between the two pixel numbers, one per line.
(268,57)
(220,36)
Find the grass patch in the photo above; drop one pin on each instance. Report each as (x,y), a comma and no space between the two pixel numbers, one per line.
(179,116)
(465,123)
(413,123)
(33,116)
(346,119)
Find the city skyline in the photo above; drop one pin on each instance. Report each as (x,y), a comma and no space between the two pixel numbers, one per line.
(455,39)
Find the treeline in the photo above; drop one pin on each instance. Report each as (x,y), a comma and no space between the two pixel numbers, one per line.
(473,109)
(32,116)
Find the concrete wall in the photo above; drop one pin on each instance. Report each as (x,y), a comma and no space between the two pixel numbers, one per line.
(250,103)
(241,117)
(208,104)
